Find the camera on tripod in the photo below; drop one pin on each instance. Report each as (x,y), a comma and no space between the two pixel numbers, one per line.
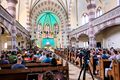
(86,56)
(85,66)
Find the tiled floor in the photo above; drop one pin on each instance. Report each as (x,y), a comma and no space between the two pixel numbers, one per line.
(74,73)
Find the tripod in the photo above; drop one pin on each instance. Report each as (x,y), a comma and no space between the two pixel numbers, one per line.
(85,67)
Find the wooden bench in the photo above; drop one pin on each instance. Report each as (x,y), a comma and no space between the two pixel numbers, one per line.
(21,74)
(29,65)
(115,72)
(104,63)
(91,63)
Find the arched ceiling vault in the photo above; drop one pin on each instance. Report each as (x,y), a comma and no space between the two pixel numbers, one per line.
(34,3)
(49,5)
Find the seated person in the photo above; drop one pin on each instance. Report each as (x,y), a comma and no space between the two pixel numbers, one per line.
(54,61)
(42,57)
(59,76)
(104,55)
(112,57)
(48,76)
(19,64)
(118,55)
(47,59)
(3,60)
(12,57)
(38,54)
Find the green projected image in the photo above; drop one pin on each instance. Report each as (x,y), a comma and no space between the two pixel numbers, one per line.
(48,42)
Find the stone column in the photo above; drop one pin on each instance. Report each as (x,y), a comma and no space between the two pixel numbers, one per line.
(77,43)
(12,10)
(91,8)
(92,42)
(12,7)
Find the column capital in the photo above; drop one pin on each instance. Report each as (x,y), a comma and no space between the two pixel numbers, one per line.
(77,40)
(91,36)
(13,1)
(91,6)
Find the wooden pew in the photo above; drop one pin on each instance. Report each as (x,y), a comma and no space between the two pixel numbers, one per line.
(21,74)
(98,70)
(104,63)
(29,65)
(115,72)
(91,63)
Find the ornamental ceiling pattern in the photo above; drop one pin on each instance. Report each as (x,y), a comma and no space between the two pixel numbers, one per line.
(48,5)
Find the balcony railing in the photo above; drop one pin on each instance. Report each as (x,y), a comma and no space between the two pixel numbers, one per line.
(5,15)
(103,18)
(79,29)
(21,28)
(107,16)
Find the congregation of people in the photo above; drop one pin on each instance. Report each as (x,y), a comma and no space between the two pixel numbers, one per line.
(108,54)
(18,59)
(76,56)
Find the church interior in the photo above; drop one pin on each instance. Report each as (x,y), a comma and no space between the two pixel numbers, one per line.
(59,39)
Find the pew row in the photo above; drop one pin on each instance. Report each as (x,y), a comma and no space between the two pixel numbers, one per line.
(21,74)
(29,65)
(104,63)
(114,73)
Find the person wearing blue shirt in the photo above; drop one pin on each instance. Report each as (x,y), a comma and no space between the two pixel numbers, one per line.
(19,64)
(104,55)
(47,59)
(4,60)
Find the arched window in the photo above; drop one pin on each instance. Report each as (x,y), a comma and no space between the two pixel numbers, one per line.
(118,2)
(99,12)
(85,18)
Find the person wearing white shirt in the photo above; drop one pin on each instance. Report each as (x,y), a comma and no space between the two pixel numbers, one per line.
(42,57)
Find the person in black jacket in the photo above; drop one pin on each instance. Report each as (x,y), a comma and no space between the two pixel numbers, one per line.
(85,66)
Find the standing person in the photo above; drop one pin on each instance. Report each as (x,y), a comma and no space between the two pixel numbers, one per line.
(80,56)
(85,66)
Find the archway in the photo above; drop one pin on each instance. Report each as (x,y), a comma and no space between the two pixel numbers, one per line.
(5,39)
(48,30)
(83,40)
(52,9)
(109,37)
(73,42)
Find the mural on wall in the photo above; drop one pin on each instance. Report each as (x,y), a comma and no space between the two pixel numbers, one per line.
(48,24)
